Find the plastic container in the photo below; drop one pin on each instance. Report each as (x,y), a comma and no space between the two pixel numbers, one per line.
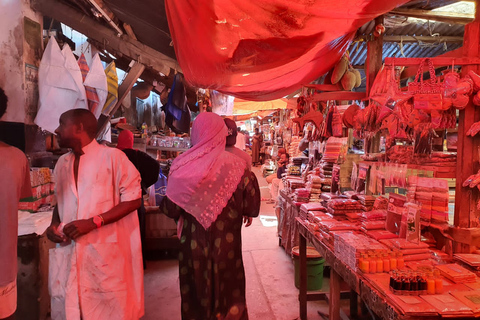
(315,264)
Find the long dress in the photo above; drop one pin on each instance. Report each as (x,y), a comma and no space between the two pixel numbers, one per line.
(256,145)
(212,277)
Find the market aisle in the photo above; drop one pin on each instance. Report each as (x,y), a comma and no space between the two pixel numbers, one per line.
(271,293)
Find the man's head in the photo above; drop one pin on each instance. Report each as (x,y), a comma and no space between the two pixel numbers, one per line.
(77,128)
(257,130)
(125,140)
(283,158)
(232,132)
(281,151)
(3,102)
(239,129)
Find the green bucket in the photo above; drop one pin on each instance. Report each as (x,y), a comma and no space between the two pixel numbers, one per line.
(314,268)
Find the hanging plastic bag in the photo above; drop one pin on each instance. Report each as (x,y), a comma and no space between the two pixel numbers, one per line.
(337,123)
(160,188)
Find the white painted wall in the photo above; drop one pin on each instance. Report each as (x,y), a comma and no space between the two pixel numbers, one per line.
(12,62)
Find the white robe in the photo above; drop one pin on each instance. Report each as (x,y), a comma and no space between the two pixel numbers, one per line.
(99,276)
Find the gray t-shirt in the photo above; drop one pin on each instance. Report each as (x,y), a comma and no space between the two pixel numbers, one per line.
(14,185)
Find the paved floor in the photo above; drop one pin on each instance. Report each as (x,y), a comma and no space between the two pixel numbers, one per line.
(271,293)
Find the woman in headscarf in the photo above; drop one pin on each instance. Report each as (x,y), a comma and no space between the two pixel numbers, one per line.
(257,141)
(210,194)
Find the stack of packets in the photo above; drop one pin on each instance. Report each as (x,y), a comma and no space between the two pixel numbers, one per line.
(456,273)
(345,207)
(350,246)
(293,183)
(325,174)
(411,251)
(314,184)
(307,208)
(470,259)
(333,147)
(329,228)
(366,200)
(42,190)
(293,147)
(373,220)
(433,196)
(301,195)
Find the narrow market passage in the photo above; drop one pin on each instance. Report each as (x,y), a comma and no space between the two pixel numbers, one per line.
(271,292)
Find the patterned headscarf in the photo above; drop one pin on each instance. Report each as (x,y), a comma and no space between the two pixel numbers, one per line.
(125,140)
(204,178)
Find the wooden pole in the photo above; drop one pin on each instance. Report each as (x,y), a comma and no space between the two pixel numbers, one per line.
(467,147)
(374,57)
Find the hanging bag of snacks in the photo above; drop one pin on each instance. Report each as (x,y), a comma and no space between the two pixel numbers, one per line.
(427,95)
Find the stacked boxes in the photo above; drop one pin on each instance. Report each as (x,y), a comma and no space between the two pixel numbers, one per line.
(42,190)
(350,246)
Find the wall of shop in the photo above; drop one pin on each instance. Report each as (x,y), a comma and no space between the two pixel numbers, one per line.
(21,49)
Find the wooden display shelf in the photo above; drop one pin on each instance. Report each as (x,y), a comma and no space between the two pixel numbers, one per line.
(377,300)
(438,171)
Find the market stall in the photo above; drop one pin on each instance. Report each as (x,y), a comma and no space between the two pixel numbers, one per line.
(391,185)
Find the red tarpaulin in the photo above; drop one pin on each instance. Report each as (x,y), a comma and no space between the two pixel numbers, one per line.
(264,49)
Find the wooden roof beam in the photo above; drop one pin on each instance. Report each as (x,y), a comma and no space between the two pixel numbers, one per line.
(447,17)
(131,48)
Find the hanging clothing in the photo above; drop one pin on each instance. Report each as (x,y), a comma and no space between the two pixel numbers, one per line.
(212,276)
(100,275)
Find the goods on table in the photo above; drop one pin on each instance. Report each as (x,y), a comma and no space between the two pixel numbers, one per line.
(471,259)
(408,282)
(301,195)
(349,248)
(456,273)
(42,187)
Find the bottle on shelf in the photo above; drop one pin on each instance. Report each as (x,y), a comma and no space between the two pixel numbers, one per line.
(379,263)
(386,263)
(430,283)
(373,263)
(438,281)
(393,260)
(400,261)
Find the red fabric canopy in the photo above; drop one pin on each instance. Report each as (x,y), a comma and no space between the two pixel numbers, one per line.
(264,49)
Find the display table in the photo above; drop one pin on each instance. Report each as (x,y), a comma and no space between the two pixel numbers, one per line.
(373,292)
(288,227)
(33,299)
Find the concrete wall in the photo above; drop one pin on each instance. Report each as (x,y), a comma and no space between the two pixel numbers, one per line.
(20,49)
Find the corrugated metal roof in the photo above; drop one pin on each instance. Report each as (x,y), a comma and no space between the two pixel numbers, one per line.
(400,26)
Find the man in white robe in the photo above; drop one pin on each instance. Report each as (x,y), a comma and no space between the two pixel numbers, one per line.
(96,269)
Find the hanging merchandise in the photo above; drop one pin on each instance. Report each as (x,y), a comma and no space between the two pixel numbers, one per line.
(427,95)
(60,86)
(386,93)
(222,104)
(97,79)
(457,91)
(112,82)
(337,128)
(264,49)
(423,139)
(92,97)
(177,113)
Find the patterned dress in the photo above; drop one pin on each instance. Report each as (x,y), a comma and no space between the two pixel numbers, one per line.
(212,277)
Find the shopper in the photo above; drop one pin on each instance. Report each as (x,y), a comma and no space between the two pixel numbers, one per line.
(149,169)
(15,175)
(209,194)
(240,141)
(276,184)
(232,140)
(257,142)
(96,269)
